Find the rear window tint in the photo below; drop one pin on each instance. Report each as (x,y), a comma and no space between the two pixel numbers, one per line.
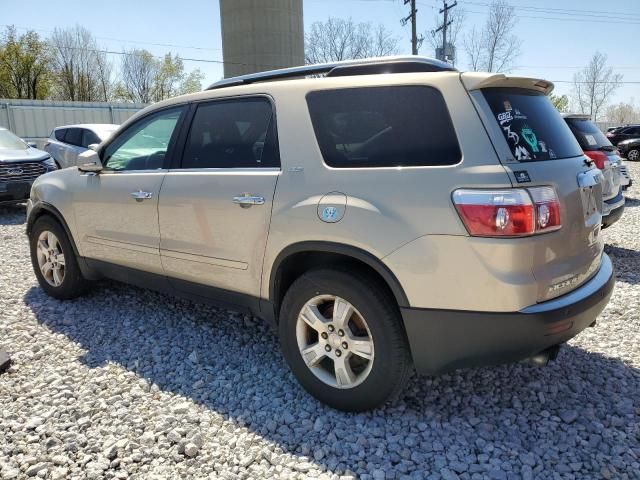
(59,134)
(531,125)
(589,136)
(383,127)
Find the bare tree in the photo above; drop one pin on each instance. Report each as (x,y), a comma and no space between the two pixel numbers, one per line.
(340,39)
(82,69)
(457,17)
(139,71)
(146,78)
(594,85)
(495,47)
(623,113)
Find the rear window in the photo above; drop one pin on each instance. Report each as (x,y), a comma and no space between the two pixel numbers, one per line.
(531,125)
(589,136)
(59,134)
(383,127)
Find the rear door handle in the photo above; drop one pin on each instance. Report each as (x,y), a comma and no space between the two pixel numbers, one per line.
(247,200)
(140,195)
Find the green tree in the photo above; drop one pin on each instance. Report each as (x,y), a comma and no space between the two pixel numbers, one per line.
(561,102)
(192,82)
(25,65)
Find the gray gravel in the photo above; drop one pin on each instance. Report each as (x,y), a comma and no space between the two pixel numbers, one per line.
(126,383)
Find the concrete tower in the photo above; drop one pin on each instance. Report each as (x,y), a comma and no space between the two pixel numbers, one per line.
(260,35)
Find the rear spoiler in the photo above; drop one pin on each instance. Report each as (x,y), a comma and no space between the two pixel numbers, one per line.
(477,81)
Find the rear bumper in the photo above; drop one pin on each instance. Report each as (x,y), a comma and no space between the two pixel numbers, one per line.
(444,340)
(613,209)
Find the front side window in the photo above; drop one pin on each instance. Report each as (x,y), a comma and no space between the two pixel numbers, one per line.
(531,125)
(383,127)
(143,145)
(237,133)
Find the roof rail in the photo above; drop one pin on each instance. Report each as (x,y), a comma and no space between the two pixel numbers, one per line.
(367,66)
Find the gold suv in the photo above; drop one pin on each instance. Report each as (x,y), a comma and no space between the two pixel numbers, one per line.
(384,215)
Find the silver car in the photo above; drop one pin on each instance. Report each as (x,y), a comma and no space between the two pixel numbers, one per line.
(383,215)
(20,164)
(69,141)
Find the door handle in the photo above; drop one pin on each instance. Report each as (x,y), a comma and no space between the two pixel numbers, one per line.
(140,195)
(248,200)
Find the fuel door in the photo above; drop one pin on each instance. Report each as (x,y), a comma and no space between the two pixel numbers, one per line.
(332,207)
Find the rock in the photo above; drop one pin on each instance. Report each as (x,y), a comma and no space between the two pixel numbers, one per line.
(33,470)
(191,450)
(568,416)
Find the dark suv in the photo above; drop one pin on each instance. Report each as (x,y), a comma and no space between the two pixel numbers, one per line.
(623,133)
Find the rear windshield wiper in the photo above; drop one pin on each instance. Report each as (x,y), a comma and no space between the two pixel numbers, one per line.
(607,148)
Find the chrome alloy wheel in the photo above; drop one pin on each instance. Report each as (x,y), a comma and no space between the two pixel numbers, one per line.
(335,341)
(50,258)
(633,155)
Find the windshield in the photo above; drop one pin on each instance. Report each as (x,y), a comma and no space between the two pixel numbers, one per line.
(588,134)
(9,141)
(531,125)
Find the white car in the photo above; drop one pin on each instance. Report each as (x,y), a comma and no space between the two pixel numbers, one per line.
(69,141)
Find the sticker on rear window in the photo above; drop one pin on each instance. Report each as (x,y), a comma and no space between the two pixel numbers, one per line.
(590,140)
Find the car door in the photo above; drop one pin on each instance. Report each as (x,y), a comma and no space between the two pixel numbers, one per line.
(117,210)
(215,206)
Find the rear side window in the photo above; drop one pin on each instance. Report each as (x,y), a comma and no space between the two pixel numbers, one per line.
(531,125)
(232,134)
(59,134)
(383,127)
(589,136)
(73,136)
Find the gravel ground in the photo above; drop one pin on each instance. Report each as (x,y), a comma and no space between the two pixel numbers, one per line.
(127,383)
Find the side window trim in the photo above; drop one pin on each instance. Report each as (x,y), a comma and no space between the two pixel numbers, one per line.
(188,123)
(171,148)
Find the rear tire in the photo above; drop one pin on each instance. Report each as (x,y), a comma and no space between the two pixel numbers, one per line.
(356,353)
(633,155)
(54,262)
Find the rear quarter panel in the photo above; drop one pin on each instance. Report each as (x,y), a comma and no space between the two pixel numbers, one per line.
(386,207)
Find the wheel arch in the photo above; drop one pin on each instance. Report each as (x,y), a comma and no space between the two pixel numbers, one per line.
(297,258)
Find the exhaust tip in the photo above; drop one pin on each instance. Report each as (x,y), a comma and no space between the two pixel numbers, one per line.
(544,357)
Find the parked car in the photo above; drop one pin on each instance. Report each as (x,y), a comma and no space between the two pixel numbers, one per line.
(630,149)
(598,148)
(20,164)
(69,141)
(395,214)
(623,133)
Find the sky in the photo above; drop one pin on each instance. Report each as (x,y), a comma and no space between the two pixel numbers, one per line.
(558,36)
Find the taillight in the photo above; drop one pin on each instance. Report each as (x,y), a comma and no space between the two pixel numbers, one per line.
(513,212)
(599,158)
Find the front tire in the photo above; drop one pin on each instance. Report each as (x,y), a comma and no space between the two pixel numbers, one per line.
(343,339)
(633,155)
(54,262)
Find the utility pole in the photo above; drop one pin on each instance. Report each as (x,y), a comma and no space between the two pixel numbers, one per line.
(444,26)
(415,41)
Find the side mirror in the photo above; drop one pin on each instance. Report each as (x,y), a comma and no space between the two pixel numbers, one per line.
(89,162)
(32,144)
(94,146)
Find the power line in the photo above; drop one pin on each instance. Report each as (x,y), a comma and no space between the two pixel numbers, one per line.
(566,11)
